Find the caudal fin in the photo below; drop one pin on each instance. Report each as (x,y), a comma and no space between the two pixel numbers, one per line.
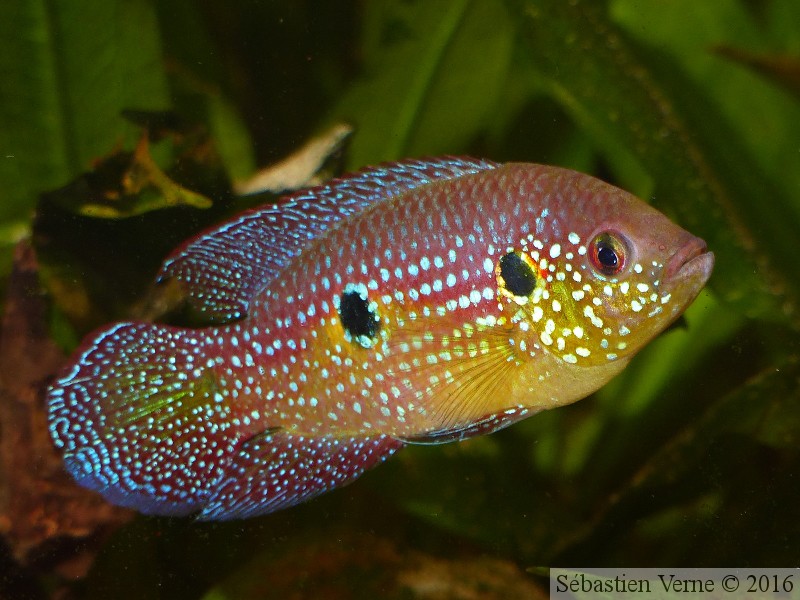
(139,418)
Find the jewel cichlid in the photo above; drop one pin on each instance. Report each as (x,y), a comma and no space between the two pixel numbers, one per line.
(424,301)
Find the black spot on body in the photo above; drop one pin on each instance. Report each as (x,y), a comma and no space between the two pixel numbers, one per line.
(356,317)
(517,275)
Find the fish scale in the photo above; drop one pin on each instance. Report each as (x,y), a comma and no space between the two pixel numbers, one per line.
(260,242)
(415,302)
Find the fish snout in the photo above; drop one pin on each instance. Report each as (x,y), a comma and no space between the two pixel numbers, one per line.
(692,257)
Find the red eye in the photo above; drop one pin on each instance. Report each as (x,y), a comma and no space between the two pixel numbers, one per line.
(608,253)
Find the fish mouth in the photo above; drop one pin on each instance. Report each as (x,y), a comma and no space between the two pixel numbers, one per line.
(692,258)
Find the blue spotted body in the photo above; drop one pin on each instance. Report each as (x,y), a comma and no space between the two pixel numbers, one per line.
(415,302)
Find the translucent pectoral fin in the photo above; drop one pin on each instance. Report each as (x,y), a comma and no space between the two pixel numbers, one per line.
(462,381)
(485,425)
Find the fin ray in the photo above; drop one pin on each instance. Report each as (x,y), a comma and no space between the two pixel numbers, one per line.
(128,422)
(223,269)
(487,424)
(278,470)
(464,404)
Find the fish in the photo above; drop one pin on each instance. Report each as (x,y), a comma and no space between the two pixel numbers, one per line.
(418,302)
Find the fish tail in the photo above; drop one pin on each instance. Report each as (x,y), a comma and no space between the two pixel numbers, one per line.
(139,417)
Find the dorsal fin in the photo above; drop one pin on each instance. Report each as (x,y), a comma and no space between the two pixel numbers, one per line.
(222,269)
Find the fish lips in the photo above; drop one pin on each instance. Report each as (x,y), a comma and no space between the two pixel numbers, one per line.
(692,260)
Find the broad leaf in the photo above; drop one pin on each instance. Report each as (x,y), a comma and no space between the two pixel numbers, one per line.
(68,69)
(637,105)
(421,58)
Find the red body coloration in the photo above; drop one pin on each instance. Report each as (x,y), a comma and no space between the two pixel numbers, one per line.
(418,302)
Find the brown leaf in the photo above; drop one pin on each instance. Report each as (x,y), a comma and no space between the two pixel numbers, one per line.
(301,168)
(362,565)
(45,517)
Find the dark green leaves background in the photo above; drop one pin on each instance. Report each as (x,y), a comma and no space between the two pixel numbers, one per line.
(689,458)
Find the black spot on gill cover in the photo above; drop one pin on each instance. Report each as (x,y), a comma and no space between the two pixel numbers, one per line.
(517,275)
(356,317)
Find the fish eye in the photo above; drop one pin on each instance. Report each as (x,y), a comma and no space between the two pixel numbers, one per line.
(608,253)
(515,275)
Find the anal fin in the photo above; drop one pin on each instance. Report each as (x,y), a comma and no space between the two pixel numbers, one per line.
(276,469)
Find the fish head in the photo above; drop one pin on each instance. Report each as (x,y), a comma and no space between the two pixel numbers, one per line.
(607,271)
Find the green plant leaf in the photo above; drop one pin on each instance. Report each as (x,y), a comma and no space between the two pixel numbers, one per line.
(689,456)
(784,70)
(636,104)
(199,87)
(737,459)
(765,118)
(68,70)
(420,58)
